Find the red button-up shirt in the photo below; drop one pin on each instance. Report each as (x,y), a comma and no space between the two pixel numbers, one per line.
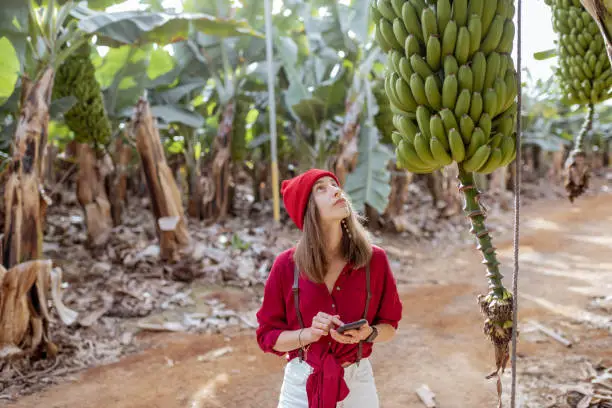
(326,386)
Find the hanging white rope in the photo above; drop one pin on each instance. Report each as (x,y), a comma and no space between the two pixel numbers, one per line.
(517,201)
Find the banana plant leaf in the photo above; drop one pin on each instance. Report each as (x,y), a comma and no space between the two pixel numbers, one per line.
(140,27)
(9,69)
(14,16)
(369,182)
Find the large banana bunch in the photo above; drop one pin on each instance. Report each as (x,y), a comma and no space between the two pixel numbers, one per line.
(87,118)
(451,81)
(384,117)
(584,69)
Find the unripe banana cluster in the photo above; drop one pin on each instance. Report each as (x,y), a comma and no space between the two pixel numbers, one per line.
(87,118)
(451,81)
(584,68)
(384,117)
(238,143)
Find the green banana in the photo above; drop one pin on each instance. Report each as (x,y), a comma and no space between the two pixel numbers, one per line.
(386,29)
(478,159)
(434,53)
(479,69)
(508,148)
(507,37)
(407,128)
(386,9)
(439,153)
(450,65)
(463,103)
(460,12)
(396,137)
(466,78)
(496,140)
(485,123)
(456,145)
(421,145)
(420,66)
(449,120)
(466,124)
(475,8)
(396,5)
(475,30)
(408,158)
(493,63)
(429,24)
(436,128)
(384,45)
(433,93)
(488,14)
(423,116)
(443,13)
(411,19)
(417,86)
(493,36)
(449,91)
(501,92)
(405,95)
(492,163)
(476,106)
(449,38)
(399,30)
(405,69)
(462,49)
(478,139)
(411,46)
(506,126)
(490,102)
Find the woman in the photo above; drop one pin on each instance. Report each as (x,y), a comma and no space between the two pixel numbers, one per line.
(332,274)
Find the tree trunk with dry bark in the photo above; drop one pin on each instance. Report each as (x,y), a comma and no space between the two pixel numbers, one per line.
(217,208)
(166,200)
(117,186)
(24,197)
(91,193)
(346,160)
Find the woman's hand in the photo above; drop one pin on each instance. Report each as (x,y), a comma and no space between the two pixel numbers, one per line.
(321,325)
(352,336)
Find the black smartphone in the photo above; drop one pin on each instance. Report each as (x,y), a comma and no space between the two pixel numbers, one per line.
(350,326)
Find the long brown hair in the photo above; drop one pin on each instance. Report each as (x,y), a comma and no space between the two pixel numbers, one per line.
(310,250)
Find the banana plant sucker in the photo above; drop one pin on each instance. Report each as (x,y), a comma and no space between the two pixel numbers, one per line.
(601,11)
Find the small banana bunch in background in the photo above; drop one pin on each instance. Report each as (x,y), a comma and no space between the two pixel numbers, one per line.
(584,70)
(451,81)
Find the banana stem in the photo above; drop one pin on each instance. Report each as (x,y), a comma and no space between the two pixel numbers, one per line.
(586,126)
(475,213)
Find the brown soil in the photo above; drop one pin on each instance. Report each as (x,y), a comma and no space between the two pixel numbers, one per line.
(565,265)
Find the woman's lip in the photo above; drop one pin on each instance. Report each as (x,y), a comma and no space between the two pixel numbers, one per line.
(341,201)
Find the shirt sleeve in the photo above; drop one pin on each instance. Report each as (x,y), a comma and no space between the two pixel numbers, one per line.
(390,307)
(271,317)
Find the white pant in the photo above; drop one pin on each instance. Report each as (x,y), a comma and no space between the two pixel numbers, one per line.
(360,381)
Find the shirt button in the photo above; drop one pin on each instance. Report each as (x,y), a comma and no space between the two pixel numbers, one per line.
(333,305)
(337,287)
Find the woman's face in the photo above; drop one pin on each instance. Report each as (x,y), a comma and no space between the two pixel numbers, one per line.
(330,200)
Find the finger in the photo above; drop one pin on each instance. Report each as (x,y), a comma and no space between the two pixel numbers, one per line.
(341,338)
(336,320)
(318,332)
(322,327)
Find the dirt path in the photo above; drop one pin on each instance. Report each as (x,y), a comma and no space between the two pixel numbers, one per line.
(565,262)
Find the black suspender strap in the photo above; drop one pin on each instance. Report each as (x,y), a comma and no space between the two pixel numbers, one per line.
(365,312)
(296,301)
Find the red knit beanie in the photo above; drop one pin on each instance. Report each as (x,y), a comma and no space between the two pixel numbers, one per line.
(296,192)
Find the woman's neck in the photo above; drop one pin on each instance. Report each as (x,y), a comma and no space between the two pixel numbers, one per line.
(332,235)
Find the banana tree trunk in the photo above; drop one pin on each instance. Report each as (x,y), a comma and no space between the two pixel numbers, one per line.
(171,224)
(24,198)
(117,190)
(217,208)
(400,180)
(24,317)
(346,160)
(194,182)
(91,194)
